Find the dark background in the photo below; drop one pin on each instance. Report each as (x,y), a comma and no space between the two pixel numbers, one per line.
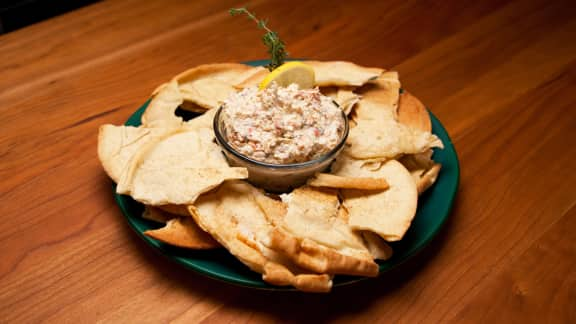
(15,14)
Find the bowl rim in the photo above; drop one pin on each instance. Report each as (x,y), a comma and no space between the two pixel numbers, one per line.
(325,157)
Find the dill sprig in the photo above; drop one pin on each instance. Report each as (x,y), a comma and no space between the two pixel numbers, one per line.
(276,48)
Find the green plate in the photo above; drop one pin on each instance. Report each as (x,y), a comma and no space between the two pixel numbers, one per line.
(433,209)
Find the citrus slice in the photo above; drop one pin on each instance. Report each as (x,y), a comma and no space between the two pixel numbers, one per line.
(288,73)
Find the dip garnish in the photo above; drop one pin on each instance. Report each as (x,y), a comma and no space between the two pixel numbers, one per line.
(275,45)
(282,125)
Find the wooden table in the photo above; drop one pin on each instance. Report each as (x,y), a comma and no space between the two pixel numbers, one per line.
(500,75)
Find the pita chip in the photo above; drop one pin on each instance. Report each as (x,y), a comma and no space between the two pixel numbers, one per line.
(333,181)
(233,217)
(177,169)
(387,213)
(161,110)
(413,113)
(314,234)
(179,231)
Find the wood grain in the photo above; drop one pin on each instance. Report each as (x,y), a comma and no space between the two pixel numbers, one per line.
(500,75)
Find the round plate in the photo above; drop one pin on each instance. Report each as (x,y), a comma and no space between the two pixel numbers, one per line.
(434,206)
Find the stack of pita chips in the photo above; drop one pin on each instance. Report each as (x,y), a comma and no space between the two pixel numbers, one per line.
(338,223)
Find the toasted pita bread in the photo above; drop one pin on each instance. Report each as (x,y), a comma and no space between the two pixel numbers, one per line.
(413,113)
(340,73)
(179,231)
(207,86)
(334,181)
(314,234)
(161,110)
(387,139)
(387,213)
(346,166)
(379,98)
(377,133)
(206,93)
(179,185)
(118,144)
(177,169)
(234,218)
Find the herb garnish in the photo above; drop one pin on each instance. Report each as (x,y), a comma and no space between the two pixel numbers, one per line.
(270,39)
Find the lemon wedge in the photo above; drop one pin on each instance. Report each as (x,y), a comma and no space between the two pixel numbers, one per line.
(288,73)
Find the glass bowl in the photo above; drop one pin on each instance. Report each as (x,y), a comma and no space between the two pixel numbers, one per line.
(277,178)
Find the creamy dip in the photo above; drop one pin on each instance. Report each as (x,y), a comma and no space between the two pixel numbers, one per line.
(282,125)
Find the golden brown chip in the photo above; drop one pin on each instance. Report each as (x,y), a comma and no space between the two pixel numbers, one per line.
(319,258)
(177,185)
(179,231)
(413,113)
(347,166)
(233,216)
(340,73)
(377,133)
(387,213)
(321,240)
(387,139)
(379,98)
(334,181)
(207,86)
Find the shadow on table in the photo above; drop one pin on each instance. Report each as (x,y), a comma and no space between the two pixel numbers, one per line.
(293,306)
